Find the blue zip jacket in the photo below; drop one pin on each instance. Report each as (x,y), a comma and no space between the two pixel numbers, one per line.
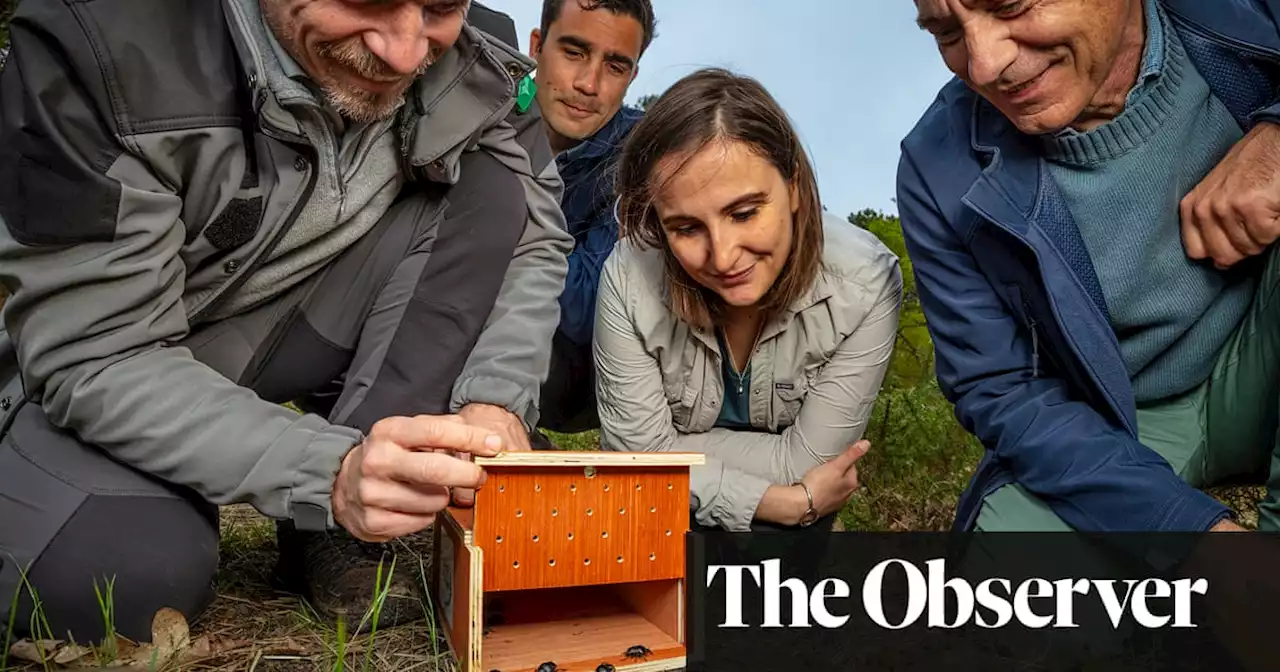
(1024,346)
(587,171)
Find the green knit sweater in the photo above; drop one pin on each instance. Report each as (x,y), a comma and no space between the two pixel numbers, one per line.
(1123,183)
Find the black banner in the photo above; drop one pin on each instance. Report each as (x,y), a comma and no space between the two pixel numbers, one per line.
(1052,601)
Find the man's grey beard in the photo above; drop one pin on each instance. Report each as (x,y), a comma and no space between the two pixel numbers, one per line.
(361,106)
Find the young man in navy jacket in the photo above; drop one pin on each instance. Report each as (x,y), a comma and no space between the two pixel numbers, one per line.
(1090,207)
(588,53)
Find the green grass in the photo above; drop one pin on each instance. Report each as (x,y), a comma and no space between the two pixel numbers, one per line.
(589,440)
(107,607)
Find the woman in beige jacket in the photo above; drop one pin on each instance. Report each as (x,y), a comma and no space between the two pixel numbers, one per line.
(735,319)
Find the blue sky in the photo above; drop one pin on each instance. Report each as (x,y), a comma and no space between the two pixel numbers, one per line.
(854,75)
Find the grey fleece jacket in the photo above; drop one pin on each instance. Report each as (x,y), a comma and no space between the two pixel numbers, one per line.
(133,209)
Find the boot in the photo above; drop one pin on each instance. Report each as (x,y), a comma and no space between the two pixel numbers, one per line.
(338,576)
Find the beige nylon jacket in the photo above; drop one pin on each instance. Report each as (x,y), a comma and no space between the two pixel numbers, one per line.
(815,373)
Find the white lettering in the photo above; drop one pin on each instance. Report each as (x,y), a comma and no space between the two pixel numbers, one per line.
(1004,612)
(732,590)
(772,597)
(938,596)
(917,594)
(1141,612)
(995,603)
(1022,603)
(1066,589)
(818,602)
(1182,589)
(1107,591)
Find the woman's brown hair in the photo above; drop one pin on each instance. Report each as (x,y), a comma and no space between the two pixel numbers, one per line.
(709,105)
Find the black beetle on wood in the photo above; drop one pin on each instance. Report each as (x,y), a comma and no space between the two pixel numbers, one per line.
(548,667)
(638,651)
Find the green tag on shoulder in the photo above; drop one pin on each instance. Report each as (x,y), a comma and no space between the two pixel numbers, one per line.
(525,94)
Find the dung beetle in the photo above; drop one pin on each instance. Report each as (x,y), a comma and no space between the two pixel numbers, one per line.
(638,651)
(604,667)
(548,667)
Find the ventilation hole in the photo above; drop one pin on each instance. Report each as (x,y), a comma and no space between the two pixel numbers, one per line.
(589,512)
(670,487)
(552,562)
(535,538)
(619,559)
(622,511)
(516,563)
(502,488)
(537,487)
(573,487)
(570,535)
(652,557)
(555,512)
(499,539)
(606,487)
(519,513)
(637,487)
(653,509)
(668,533)
(604,535)
(586,561)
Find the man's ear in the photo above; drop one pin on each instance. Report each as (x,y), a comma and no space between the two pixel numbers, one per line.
(635,72)
(535,43)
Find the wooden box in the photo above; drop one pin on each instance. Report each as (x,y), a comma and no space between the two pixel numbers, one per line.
(567,557)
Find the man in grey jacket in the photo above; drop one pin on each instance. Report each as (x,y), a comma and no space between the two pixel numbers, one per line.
(211,208)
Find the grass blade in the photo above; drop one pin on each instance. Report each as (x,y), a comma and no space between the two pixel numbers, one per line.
(107,607)
(13,621)
(340,644)
(380,593)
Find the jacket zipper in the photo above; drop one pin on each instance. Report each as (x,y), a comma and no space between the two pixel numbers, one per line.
(1035,340)
(230,288)
(1066,333)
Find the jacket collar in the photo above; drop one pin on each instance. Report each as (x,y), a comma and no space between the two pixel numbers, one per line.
(605,141)
(459,96)
(471,87)
(819,290)
(1006,190)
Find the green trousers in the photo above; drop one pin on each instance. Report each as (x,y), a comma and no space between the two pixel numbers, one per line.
(1225,430)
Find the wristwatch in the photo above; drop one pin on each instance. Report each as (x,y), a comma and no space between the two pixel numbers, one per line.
(811,514)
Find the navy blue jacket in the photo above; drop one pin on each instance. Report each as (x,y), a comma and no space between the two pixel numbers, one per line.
(1025,349)
(587,171)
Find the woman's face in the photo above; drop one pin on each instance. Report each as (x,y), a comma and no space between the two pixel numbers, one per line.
(727,216)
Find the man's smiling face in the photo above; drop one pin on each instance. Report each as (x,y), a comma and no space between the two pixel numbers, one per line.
(365,53)
(1040,62)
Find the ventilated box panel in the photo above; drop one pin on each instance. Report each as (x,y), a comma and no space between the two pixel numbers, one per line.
(569,558)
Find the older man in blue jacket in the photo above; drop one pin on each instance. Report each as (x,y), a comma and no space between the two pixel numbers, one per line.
(1091,208)
(588,53)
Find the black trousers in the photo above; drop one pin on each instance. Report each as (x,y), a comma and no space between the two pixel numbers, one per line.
(393,319)
(567,402)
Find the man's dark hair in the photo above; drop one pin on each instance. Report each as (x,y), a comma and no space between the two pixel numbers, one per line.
(640,10)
